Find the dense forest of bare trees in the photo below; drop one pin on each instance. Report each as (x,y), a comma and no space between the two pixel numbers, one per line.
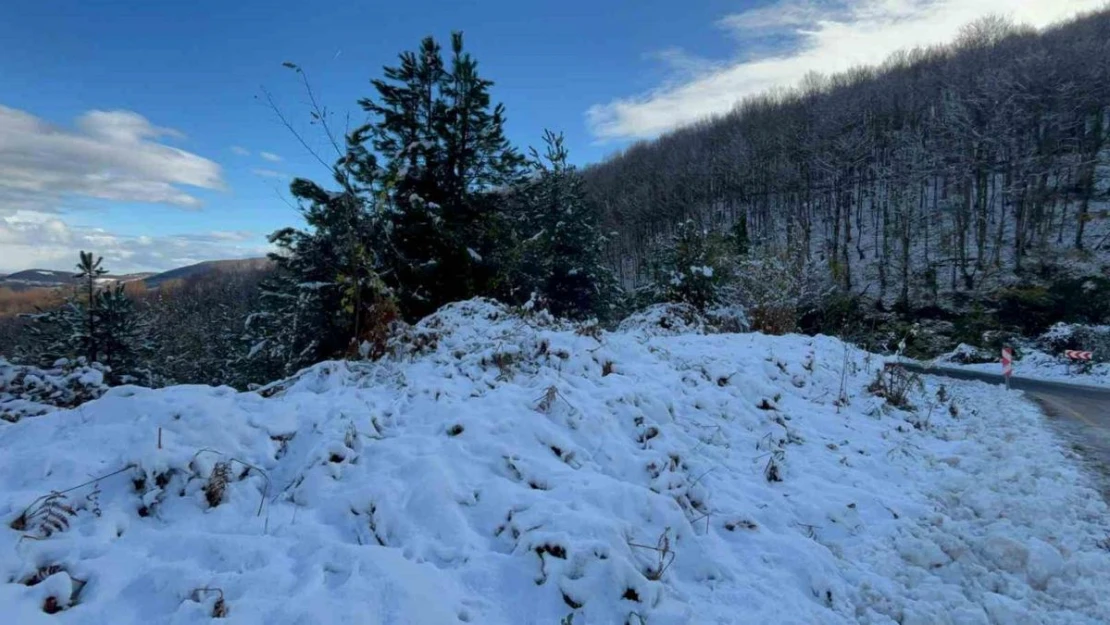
(945,173)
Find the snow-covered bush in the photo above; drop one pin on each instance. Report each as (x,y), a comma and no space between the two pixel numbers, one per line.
(1065,336)
(774,285)
(965,354)
(729,318)
(31,391)
(690,267)
(666,320)
(934,336)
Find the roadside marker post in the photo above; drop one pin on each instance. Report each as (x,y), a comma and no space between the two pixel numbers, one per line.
(1077,356)
(1007,364)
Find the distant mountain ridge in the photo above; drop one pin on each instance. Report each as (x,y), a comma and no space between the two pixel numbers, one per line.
(209,266)
(52,278)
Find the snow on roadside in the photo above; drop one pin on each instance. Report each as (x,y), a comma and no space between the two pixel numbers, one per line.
(1042,358)
(507,470)
(1033,364)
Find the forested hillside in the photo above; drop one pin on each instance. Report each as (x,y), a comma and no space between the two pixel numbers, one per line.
(949,171)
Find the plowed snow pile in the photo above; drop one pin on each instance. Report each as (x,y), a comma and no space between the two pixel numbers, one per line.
(512,471)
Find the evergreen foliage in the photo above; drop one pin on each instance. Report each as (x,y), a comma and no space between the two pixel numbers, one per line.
(325,291)
(562,253)
(690,267)
(97,324)
(445,161)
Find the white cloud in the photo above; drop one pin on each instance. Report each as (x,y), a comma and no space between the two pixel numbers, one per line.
(825,37)
(270,156)
(782,15)
(111,155)
(269,173)
(240,150)
(41,240)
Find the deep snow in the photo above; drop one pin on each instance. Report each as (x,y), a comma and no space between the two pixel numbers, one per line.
(508,470)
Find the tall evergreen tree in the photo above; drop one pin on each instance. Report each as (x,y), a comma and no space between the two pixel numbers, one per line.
(562,252)
(444,155)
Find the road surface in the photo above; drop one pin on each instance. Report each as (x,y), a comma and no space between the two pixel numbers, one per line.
(1080,413)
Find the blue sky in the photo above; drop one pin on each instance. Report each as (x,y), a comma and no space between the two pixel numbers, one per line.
(133,128)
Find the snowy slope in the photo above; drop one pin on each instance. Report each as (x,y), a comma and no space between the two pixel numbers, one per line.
(511,471)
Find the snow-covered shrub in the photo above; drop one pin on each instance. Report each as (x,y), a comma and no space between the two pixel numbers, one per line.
(1065,336)
(729,318)
(32,391)
(690,267)
(774,285)
(965,354)
(666,320)
(934,336)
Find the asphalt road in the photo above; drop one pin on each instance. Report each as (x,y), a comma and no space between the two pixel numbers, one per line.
(1081,414)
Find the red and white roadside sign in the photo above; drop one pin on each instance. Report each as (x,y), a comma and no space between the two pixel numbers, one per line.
(1075,354)
(1007,362)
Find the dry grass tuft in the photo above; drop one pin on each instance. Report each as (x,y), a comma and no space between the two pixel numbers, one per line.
(895,384)
(772,472)
(547,401)
(665,556)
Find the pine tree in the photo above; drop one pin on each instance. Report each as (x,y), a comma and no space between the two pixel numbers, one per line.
(121,335)
(88,270)
(562,252)
(690,268)
(445,159)
(97,325)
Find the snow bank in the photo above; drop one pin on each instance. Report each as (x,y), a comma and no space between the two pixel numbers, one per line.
(30,391)
(502,470)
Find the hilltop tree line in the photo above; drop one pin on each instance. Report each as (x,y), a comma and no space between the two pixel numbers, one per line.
(933,180)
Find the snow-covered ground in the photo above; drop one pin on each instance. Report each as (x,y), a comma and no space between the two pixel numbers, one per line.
(512,471)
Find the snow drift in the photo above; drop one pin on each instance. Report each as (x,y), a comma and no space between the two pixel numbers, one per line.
(507,470)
